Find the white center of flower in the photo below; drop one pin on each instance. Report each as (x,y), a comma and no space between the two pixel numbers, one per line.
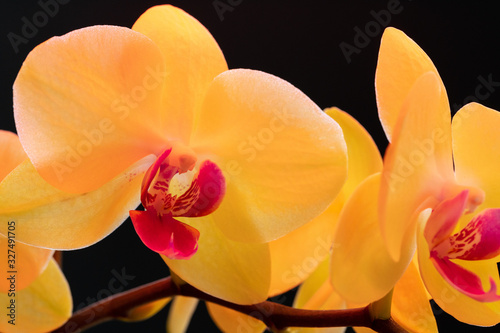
(180,183)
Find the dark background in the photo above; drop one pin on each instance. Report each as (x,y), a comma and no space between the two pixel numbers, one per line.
(294,40)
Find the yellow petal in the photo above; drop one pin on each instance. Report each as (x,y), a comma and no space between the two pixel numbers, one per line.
(11,153)
(43,306)
(475,149)
(297,255)
(316,293)
(417,163)
(192,59)
(180,313)
(362,271)
(50,218)
(460,306)
(145,311)
(363,330)
(236,272)
(228,320)
(88,98)
(363,155)
(410,306)
(283,158)
(26,262)
(400,63)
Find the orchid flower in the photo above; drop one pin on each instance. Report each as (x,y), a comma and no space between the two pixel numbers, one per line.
(436,174)
(295,256)
(224,162)
(34,287)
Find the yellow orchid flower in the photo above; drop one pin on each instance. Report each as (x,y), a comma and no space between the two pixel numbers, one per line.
(34,294)
(428,186)
(228,160)
(295,256)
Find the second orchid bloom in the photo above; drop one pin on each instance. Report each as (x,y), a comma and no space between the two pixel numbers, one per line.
(437,192)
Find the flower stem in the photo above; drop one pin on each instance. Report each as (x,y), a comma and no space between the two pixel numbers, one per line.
(274,315)
(381,309)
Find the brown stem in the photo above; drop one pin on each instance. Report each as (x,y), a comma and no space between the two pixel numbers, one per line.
(275,316)
(118,305)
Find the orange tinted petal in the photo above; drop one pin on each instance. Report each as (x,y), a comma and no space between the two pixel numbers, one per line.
(48,217)
(145,311)
(284,159)
(221,267)
(29,261)
(313,293)
(316,293)
(410,305)
(87,98)
(180,313)
(11,153)
(475,149)
(363,155)
(417,163)
(228,320)
(400,63)
(192,59)
(296,255)
(362,271)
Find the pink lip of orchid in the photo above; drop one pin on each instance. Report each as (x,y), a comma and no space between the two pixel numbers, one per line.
(478,240)
(165,198)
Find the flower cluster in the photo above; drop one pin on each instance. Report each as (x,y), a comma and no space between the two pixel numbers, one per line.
(110,117)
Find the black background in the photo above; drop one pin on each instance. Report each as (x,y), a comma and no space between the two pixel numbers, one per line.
(294,40)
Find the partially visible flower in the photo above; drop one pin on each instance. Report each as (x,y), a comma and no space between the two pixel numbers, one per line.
(242,157)
(425,170)
(34,294)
